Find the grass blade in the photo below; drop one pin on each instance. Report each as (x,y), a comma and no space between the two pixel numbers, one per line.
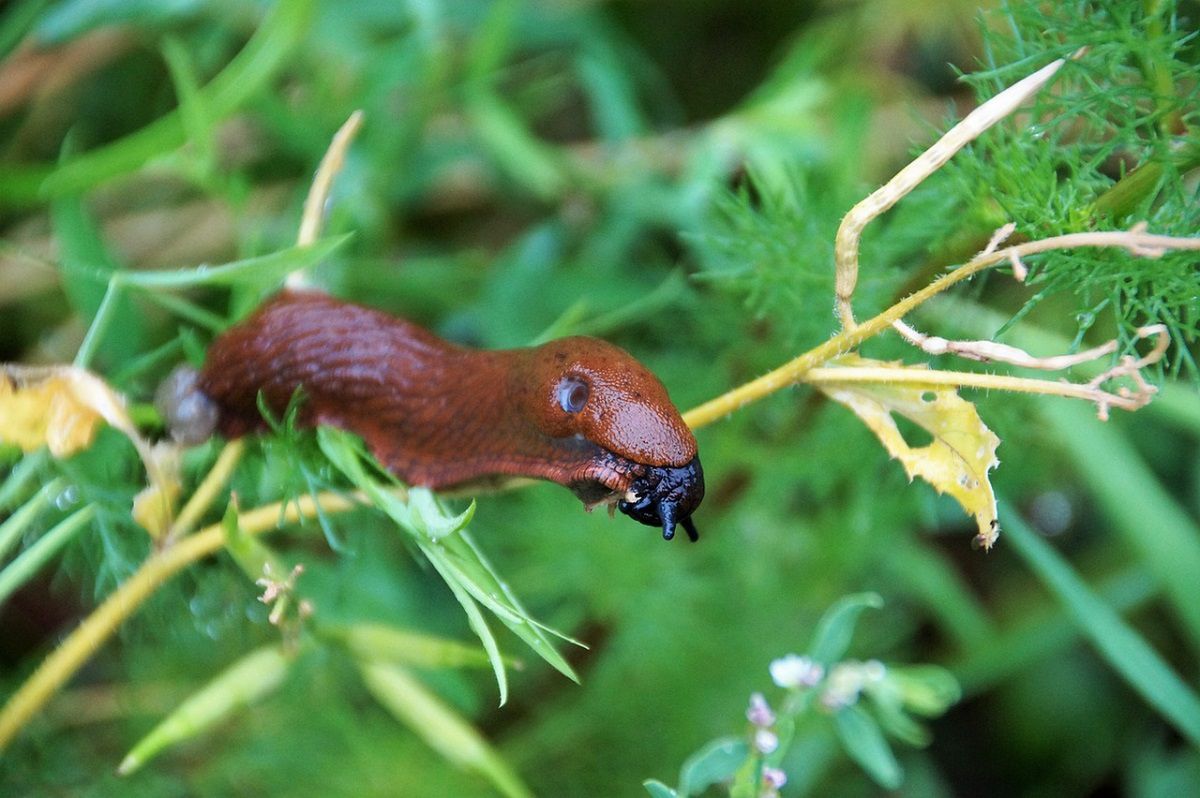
(22,569)
(15,525)
(1150,521)
(242,683)
(264,269)
(1124,649)
(439,725)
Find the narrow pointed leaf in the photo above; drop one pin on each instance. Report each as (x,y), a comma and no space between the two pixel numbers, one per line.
(836,627)
(242,683)
(439,725)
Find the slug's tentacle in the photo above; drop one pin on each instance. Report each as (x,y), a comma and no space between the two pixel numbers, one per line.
(576,411)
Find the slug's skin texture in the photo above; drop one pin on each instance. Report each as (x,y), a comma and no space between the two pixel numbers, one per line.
(576,411)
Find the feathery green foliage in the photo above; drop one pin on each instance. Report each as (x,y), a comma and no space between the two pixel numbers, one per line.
(669,176)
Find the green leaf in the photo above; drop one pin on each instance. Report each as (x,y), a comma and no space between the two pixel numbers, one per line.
(430,517)
(836,627)
(406,647)
(30,561)
(712,764)
(925,689)
(17,480)
(1151,522)
(476,621)
(659,790)
(86,264)
(523,157)
(198,123)
(455,557)
(1124,649)
(75,17)
(254,558)
(438,725)
(864,742)
(242,683)
(15,525)
(260,270)
(267,51)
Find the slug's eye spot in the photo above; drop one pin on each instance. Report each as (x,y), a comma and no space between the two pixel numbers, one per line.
(572,394)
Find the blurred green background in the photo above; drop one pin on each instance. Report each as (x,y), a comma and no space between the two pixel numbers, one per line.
(669,176)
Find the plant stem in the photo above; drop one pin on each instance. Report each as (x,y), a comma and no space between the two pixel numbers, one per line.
(206,493)
(882,375)
(87,638)
(794,370)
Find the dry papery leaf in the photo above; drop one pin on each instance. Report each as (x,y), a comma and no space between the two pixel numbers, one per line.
(962,451)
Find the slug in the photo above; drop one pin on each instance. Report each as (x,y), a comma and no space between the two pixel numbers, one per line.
(576,411)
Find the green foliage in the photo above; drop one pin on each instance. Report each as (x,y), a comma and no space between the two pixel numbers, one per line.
(855,701)
(671,177)
(1116,143)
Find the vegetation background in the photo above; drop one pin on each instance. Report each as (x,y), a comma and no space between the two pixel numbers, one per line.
(670,176)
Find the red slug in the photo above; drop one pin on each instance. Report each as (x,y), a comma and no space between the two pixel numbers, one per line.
(576,411)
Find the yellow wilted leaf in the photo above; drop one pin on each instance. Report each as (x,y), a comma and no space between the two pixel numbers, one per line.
(61,407)
(154,506)
(963,449)
(58,407)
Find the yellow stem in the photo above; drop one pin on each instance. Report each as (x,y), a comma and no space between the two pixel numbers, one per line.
(206,493)
(1136,241)
(791,372)
(964,379)
(87,638)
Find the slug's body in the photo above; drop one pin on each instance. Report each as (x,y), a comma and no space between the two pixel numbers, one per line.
(576,411)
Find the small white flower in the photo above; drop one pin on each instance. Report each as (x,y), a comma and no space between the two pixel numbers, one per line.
(774,778)
(844,684)
(760,713)
(794,671)
(766,741)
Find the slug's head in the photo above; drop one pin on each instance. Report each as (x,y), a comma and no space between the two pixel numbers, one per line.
(586,391)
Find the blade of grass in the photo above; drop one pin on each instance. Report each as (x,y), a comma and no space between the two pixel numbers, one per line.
(514,618)
(439,725)
(1042,633)
(85,265)
(475,620)
(22,569)
(16,524)
(1122,647)
(247,680)
(22,473)
(1151,522)
(262,269)
(399,646)
(267,51)
(455,557)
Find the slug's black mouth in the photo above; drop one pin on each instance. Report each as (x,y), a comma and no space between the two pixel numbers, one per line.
(665,496)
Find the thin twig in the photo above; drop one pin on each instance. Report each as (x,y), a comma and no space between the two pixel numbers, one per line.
(318,192)
(206,493)
(912,175)
(993,352)
(792,371)
(967,379)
